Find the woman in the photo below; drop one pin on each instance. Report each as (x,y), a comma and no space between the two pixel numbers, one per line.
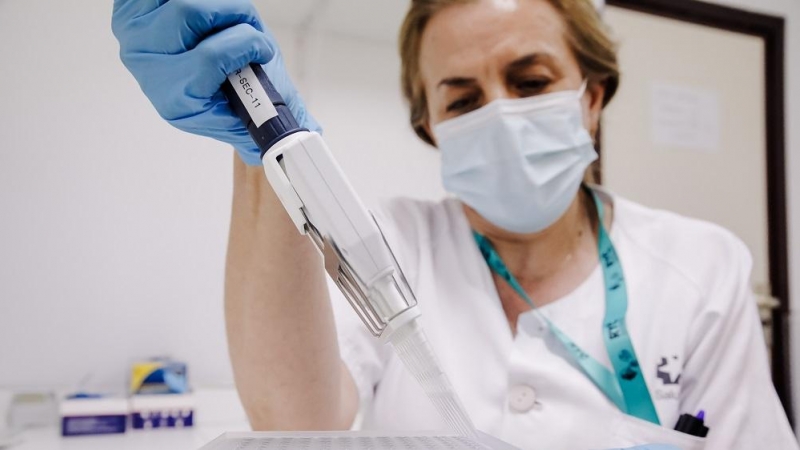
(511,93)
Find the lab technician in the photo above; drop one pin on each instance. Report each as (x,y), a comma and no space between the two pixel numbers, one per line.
(641,315)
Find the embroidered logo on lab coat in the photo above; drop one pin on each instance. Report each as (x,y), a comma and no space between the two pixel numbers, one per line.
(669,370)
(668,375)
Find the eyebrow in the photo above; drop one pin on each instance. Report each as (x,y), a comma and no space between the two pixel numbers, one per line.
(517,65)
(528,60)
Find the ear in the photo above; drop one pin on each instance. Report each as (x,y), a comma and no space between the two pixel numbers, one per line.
(593,106)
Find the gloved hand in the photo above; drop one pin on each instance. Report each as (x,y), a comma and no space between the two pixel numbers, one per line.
(181,51)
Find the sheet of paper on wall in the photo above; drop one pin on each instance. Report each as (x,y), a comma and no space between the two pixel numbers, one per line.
(357,440)
(685,117)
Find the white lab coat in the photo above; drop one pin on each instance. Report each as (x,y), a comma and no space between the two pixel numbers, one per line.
(691,315)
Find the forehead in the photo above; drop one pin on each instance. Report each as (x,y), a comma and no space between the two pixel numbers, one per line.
(465,38)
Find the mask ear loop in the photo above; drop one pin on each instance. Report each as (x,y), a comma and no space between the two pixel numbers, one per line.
(584,87)
(581,92)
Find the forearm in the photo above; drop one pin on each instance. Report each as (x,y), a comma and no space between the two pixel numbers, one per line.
(280,325)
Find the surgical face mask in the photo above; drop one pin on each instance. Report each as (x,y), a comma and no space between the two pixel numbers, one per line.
(518,162)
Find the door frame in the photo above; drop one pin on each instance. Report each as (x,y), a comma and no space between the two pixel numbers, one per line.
(772,30)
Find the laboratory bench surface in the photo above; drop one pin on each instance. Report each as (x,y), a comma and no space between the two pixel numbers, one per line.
(161,439)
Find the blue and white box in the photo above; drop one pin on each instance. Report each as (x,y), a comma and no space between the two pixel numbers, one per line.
(162,411)
(93,415)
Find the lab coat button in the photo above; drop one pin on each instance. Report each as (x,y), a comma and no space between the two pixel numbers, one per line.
(521,398)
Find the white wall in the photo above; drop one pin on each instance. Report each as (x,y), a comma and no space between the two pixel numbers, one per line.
(113,225)
(112,234)
(790,9)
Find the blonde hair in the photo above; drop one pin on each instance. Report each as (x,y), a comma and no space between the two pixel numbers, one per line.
(586,35)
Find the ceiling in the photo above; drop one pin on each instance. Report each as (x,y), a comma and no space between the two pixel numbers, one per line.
(369,19)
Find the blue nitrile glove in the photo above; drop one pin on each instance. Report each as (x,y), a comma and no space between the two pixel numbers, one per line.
(181,51)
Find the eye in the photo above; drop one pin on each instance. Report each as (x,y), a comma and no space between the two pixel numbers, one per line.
(463,104)
(531,86)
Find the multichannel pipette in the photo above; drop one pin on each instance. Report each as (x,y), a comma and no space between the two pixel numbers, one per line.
(323,205)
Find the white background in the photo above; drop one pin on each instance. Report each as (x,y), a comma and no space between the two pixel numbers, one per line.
(113,225)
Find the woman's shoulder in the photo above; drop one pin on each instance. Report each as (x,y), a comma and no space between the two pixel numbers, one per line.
(416,229)
(417,219)
(701,251)
(662,229)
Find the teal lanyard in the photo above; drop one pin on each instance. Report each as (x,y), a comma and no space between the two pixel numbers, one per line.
(625,387)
